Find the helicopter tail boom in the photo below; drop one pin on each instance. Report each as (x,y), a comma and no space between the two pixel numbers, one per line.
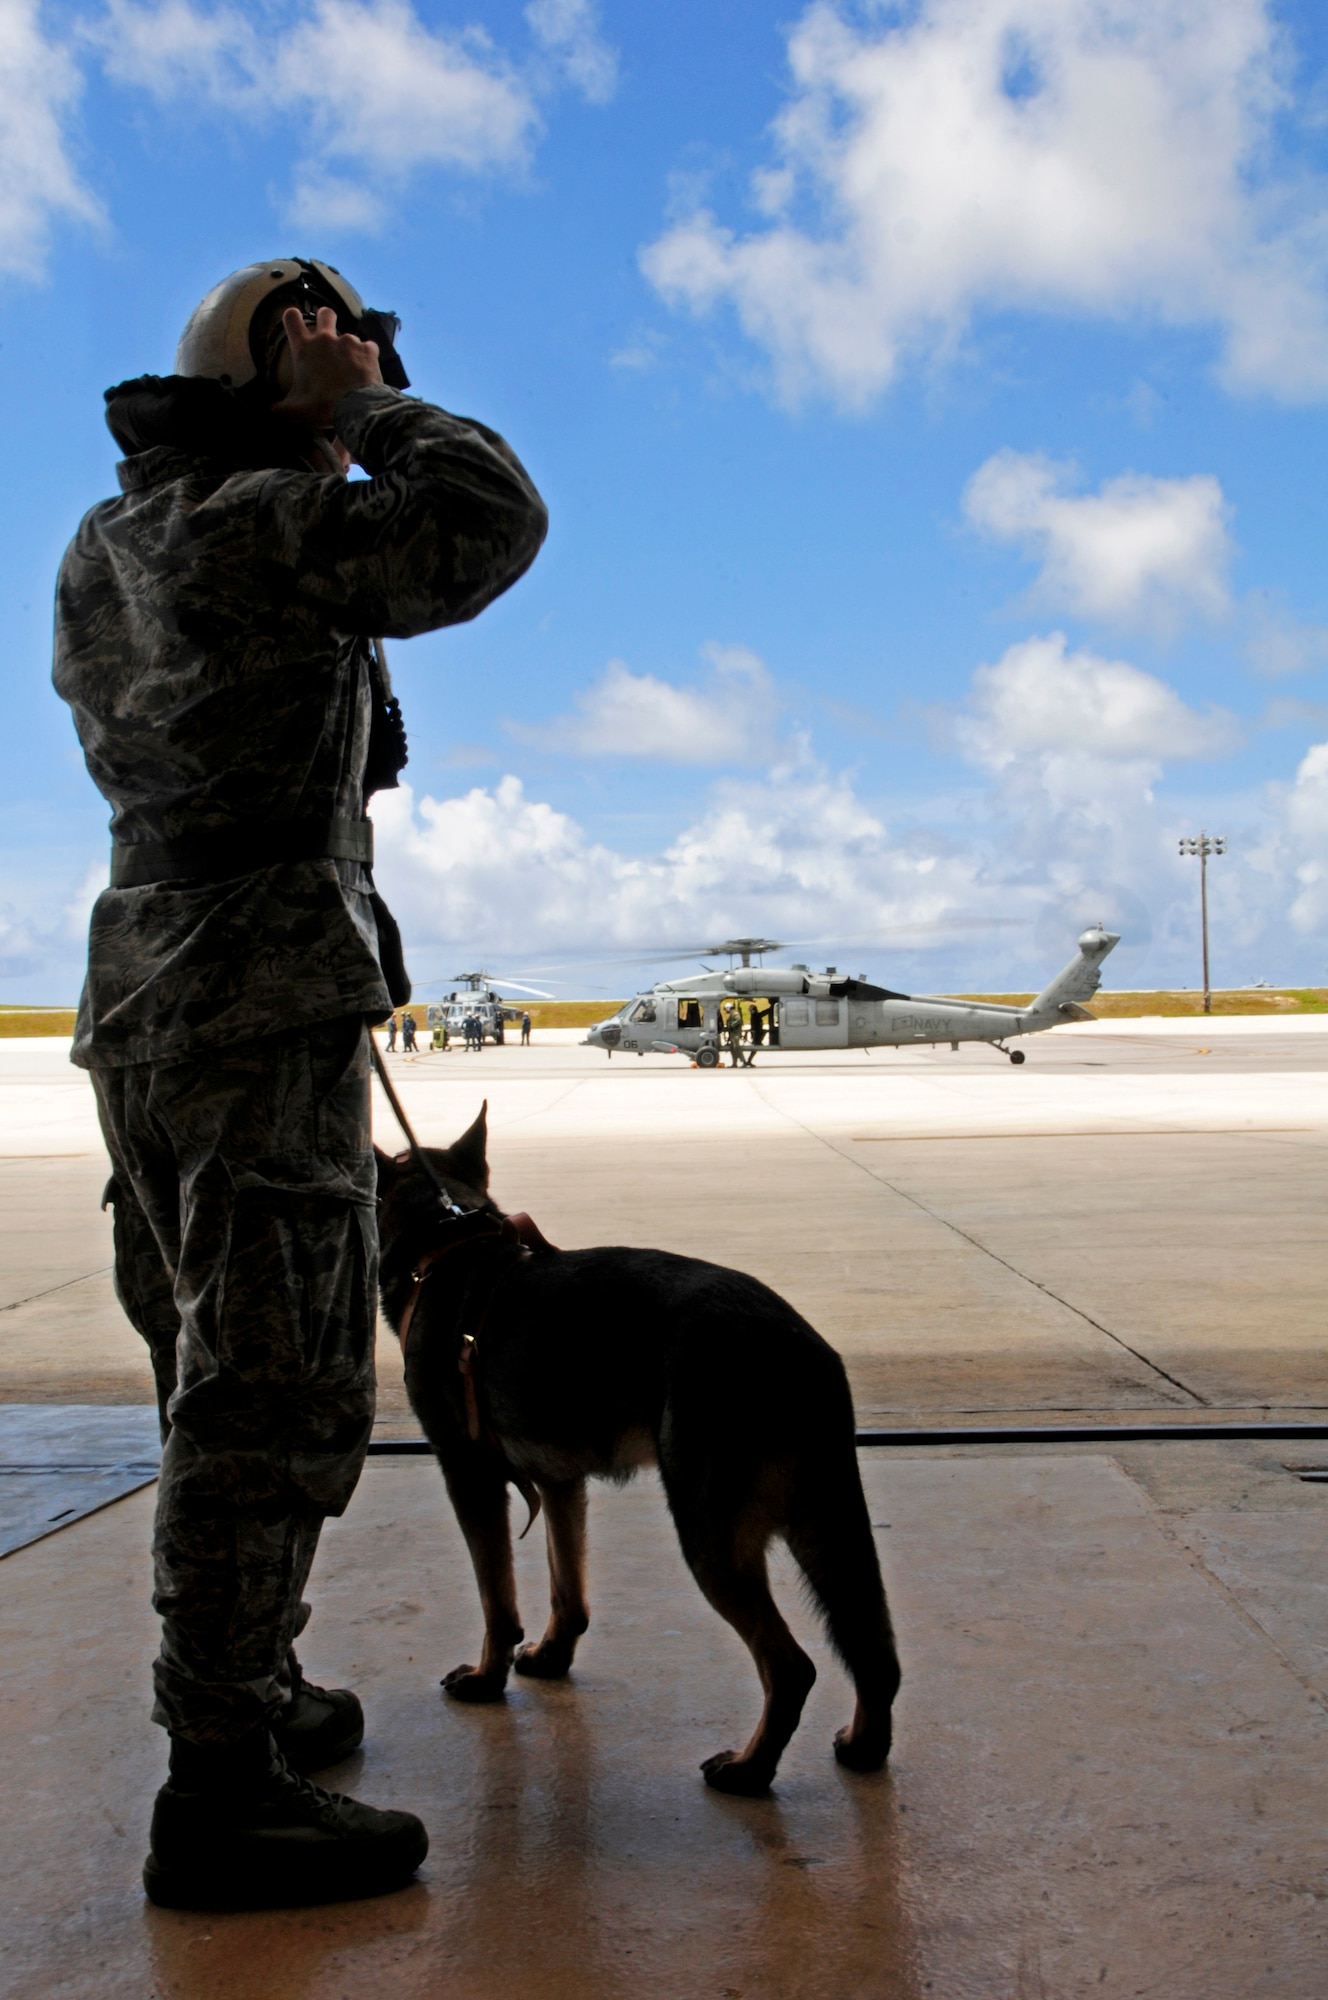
(1063,999)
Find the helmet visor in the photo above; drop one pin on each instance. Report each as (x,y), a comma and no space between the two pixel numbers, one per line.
(271,350)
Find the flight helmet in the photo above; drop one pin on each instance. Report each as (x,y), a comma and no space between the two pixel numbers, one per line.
(235,335)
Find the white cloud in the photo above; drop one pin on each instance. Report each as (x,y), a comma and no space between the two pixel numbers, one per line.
(39,184)
(43,932)
(377,92)
(1071,747)
(1063,816)
(391,94)
(569,30)
(1040,702)
(1277,643)
(321,200)
(20,946)
(730,719)
(370,85)
(640,351)
(78,910)
(1060,821)
(1083,157)
(1139,551)
(1307,828)
(173,47)
(497,871)
(1077,746)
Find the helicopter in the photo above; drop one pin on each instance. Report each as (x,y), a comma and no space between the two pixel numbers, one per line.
(792,1007)
(472,994)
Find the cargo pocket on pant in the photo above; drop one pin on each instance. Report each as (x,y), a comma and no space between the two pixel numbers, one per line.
(338,1056)
(301,1274)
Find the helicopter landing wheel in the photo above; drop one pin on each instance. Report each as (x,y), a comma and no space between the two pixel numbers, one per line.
(707,1058)
(1017,1055)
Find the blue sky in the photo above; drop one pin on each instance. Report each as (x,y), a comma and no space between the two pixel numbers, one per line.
(930,402)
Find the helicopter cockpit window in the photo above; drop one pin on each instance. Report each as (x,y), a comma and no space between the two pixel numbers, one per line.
(689,1014)
(644,1011)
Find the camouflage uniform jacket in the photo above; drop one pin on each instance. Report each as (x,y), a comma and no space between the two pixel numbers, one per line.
(212,633)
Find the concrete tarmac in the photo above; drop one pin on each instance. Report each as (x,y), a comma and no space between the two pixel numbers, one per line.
(1120,1224)
(1110,1766)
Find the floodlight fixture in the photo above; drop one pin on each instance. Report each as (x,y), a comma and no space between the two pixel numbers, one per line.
(1202,846)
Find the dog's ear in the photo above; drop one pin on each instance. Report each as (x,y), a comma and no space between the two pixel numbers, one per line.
(387,1169)
(468,1159)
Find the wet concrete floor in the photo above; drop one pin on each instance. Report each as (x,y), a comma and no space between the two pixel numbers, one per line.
(1108,1778)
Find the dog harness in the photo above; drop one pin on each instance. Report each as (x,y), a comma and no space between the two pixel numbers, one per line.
(519,1235)
(520,1238)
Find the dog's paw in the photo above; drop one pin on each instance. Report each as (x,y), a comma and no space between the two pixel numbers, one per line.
(469,1684)
(544,1662)
(861,1753)
(726,1771)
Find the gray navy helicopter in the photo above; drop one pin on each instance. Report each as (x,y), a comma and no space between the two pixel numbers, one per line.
(473,994)
(750,1008)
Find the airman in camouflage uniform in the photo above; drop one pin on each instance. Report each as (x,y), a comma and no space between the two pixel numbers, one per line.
(213,640)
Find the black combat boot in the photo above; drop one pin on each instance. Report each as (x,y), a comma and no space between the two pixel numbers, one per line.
(235,1828)
(317,1727)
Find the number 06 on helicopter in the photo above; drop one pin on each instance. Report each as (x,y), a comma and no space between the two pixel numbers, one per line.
(751,1008)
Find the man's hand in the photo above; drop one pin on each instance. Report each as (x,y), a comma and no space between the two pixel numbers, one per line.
(325,365)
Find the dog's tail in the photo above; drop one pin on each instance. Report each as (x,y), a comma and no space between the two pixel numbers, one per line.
(830,1536)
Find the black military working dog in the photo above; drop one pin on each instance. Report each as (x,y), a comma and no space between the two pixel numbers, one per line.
(540,1367)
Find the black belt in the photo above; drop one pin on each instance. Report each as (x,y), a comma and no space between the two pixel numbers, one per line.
(215,857)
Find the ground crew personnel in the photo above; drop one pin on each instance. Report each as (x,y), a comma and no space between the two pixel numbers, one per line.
(213,638)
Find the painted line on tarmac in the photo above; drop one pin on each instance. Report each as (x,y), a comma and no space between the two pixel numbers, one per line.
(1097,1132)
(977,1244)
(1087,1433)
(32,1297)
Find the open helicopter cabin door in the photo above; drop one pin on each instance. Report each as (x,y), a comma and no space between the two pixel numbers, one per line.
(762,1016)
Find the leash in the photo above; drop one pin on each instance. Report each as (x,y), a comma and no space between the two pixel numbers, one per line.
(522,1237)
(417,1152)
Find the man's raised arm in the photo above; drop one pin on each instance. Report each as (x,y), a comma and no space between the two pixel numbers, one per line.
(447,520)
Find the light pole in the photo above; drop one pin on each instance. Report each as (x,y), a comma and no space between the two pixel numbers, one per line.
(1203,847)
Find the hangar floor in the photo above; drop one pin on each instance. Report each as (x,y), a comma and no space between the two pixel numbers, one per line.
(1111,1757)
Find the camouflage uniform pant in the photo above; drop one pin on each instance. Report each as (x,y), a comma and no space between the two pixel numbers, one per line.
(246,1255)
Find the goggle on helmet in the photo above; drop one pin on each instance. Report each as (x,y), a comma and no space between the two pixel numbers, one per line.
(235,334)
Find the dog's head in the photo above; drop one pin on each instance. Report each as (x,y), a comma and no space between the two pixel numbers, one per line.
(406,1197)
(410,1214)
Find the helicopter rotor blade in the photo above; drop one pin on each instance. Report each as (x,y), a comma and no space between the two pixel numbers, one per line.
(515,984)
(656,954)
(653,955)
(930,927)
(729,947)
